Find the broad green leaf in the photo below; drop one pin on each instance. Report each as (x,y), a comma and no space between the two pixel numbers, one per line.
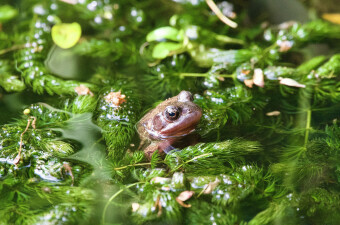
(169,33)
(66,35)
(7,12)
(163,49)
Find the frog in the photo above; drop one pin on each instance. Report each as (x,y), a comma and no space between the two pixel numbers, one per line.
(170,125)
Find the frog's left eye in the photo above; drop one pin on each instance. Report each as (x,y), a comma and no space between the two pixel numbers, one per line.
(171,113)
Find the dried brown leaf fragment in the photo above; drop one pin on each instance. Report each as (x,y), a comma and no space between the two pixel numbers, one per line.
(115,98)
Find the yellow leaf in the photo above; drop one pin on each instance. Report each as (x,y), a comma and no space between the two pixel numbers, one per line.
(66,35)
(332,17)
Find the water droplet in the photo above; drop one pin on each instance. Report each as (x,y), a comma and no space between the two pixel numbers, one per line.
(92,6)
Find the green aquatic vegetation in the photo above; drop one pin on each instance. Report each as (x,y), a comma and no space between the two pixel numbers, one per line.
(70,154)
(211,158)
(301,34)
(170,77)
(118,121)
(7,12)
(66,35)
(34,202)
(329,69)
(234,103)
(8,80)
(30,58)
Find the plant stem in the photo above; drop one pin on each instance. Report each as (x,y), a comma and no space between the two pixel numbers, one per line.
(229,40)
(193,159)
(204,75)
(309,117)
(12,48)
(18,157)
(137,164)
(220,15)
(113,197)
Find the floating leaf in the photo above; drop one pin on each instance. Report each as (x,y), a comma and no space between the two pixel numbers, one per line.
(7,12)
(163,49)
(66,35)
(332,17)
(169,33)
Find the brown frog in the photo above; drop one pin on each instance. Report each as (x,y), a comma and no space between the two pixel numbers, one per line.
(170,124)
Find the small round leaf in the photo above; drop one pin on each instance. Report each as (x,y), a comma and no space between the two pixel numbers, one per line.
(7,12)
(162,33)
(66,35)
(163,49)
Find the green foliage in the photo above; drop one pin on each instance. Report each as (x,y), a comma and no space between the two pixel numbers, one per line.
(11,83)
(165,79)
(204,213)
(163,49)
(66,35)
(331,68)
(323,205)
(8,81)
(83,104)
(100,48)
(30,59)
(161,33)
(31,202)
(211,158)
(118,121)
(277,213)
(300,34)
(235,104)
(232,58)
(7,12)
(269,147)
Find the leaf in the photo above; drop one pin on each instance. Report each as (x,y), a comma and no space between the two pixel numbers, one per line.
(258,78)
(185,195)
(291,82)
(211,186)
(66,35)
(7,12)
(169,33)
(332,17)
(163,49)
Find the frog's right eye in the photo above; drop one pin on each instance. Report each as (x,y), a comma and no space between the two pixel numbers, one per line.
(171,113)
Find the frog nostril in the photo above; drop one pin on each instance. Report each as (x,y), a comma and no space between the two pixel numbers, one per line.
(186,111)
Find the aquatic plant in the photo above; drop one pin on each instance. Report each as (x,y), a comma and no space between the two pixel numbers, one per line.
(76,77)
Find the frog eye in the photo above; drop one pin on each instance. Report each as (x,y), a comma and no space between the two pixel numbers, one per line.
(171,113)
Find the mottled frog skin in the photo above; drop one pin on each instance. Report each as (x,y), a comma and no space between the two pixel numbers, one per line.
(170,124)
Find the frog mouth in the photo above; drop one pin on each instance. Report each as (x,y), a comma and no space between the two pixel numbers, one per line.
(182,134)
(158,136)
(182,127)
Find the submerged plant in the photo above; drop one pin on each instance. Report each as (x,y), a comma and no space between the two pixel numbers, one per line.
(77,76)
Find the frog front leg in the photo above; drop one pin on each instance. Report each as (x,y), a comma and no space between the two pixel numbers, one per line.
(163,147)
